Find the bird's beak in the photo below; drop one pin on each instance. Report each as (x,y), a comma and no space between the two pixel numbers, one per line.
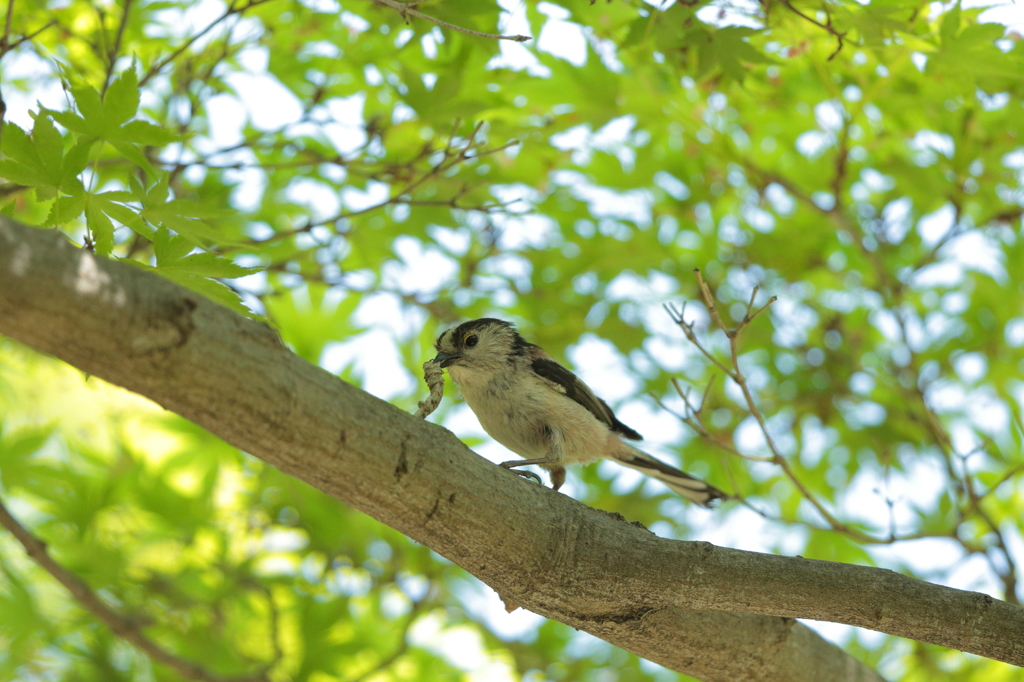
(447,359)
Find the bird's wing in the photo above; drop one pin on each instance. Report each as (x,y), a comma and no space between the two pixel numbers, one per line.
(570,385)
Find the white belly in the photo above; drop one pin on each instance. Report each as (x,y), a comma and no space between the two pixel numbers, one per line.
(535,423)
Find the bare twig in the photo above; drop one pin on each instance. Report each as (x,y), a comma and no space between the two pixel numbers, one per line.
(5,42)
(453,155)
(118,624)
(116,47)
(827,26)
(406,9)
(734,373)
(7,28)
(232,9)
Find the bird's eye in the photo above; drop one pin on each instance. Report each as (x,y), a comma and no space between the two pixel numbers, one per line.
(470,341)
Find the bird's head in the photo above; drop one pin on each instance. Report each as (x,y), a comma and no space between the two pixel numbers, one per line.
(480,345)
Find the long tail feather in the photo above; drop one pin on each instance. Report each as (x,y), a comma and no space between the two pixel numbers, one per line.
(689,487)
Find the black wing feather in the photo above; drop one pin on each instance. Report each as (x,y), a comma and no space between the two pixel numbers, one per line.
(581,393)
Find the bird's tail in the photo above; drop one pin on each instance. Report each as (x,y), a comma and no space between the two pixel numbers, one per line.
(689,487)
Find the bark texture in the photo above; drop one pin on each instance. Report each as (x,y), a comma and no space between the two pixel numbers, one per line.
(710,612)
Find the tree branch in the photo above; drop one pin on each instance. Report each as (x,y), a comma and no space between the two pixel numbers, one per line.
(672,602)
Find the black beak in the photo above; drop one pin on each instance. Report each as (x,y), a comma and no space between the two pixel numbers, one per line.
(447,359)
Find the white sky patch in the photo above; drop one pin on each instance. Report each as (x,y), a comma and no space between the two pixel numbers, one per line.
(225,115)
(516,56)
(320,198)
(605,49)
(933,226)
(1014,332)
(454,241)
(988,413)
(729,13)
(973,574)
(422,268)
(602,368)
(484,603)
(24,64)
(185,22)
(612,138)
(520,232)
(630,286)
(633,205)
(1010,13)
(561,38)
(268,104)
(375,358)
(829,115)
(814,143)
(345,128)
(938,142)
(355,199)
(975,250)
(938,274)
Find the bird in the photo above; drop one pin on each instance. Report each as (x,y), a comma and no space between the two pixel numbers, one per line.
(543,412)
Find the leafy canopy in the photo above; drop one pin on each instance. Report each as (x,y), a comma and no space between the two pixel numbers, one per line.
(861,162)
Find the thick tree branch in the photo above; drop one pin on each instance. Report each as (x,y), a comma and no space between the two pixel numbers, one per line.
(669,601)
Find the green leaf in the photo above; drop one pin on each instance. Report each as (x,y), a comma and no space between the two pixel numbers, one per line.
(87,99)
(207,265)
(18,146)
(75,161)
(110,204)
(50,147)
(213,290)
(158,193)
(100,227)
(21,174)
(66,209)
(122,98)
(71,121)
(170,247)
(950,25)
(132,153)
(23,165)
(141,132)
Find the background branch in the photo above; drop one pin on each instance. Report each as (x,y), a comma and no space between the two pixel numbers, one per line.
(119,625)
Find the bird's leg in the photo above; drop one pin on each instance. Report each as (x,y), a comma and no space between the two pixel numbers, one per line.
(554,443)
(511,466)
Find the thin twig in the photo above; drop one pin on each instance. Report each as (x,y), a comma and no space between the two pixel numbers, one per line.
(406,10)
(118,624)
(451,158)
(827,26)
(159,65)
(7,28)
(6,46)
(740,380)
(116,47)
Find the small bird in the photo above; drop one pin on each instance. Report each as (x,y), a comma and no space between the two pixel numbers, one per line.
(543,412)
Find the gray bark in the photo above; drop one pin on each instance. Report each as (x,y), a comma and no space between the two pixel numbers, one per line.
(710,612)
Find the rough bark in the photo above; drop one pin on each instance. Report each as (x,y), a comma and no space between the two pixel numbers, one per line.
(711,612)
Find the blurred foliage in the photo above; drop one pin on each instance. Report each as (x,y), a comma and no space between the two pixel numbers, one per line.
(348,172)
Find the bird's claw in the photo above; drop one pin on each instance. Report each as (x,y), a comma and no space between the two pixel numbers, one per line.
(524,474)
